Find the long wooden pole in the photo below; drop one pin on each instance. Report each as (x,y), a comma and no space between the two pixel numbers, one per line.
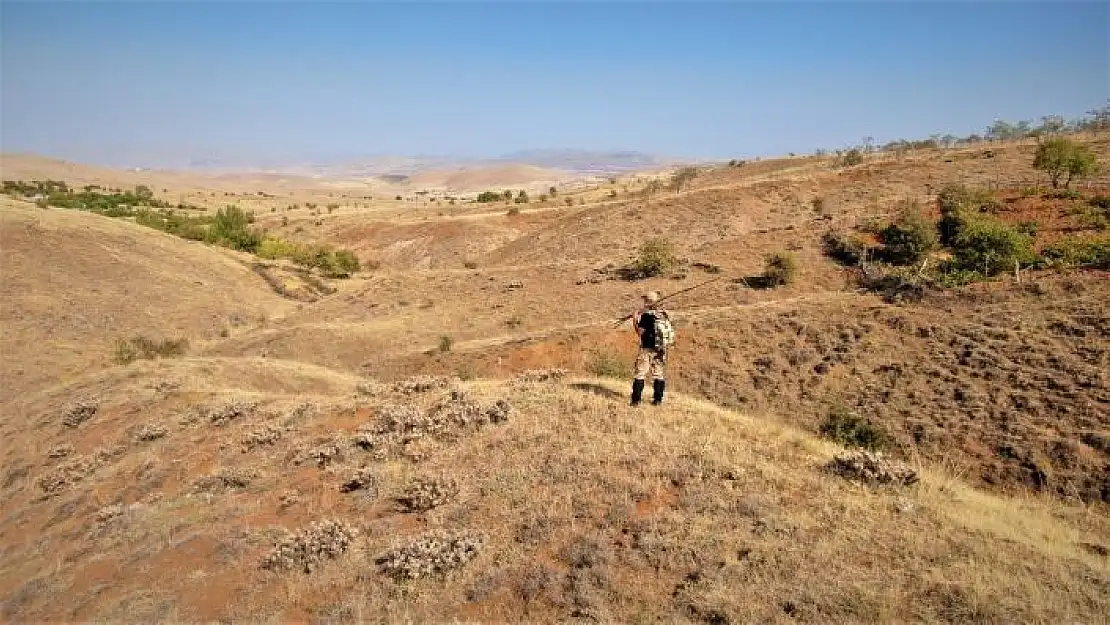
(675,294)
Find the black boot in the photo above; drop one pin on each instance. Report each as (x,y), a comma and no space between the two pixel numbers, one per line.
(658,386)
(637,392)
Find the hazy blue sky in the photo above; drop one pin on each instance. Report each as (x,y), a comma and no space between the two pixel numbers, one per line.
(131,83)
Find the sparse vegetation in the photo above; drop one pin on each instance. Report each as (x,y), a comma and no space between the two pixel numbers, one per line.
(335,263)
(780,268)
(1079,253)
(851,157)
(607,364)
(143,348)
(230,227)
(683,177)
(653,258)
(845,248)
(851,430)
(910,239)
(445,343)
(1062,158)
(989,246)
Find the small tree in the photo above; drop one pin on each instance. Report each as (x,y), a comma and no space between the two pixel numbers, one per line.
(522,197)
(1063,158)
(780,268)
(507,195)
(681,178)
(552,191)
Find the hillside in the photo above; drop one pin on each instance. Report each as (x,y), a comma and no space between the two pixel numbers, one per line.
(166,503)
(74,284)
(362,413)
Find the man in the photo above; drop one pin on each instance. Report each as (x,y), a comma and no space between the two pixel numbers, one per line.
(652,358)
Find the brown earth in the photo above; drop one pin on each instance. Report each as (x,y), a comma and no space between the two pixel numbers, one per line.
(155,490)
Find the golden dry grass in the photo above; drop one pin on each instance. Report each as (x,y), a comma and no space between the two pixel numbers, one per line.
(586,506)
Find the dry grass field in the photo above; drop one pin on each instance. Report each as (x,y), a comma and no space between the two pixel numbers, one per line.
(380,448)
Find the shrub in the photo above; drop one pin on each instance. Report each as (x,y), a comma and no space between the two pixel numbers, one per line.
(681,178)
(231,229)
(543,198)
(1029,228)
(653,258)
(853,156)
(445,343)
(987,245)
(470,264)
(1060,157)
(141,347)
(552,191)
(844,248)
(780,268)
(514,211)
(958,204)
(1077,253)
(851,430)
(606,364)
(569,201)
(911,239)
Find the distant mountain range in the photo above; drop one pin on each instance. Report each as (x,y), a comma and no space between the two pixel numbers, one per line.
(584,162)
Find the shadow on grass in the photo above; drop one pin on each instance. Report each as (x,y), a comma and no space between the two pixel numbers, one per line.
(758,283)
(597,389)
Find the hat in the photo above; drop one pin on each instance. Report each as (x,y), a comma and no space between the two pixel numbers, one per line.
(651,297)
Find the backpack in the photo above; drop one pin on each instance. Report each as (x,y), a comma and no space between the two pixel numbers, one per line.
(664,330)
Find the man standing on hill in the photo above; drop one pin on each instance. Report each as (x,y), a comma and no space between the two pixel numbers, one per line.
(653,326)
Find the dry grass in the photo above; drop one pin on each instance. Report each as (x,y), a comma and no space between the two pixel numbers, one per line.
(163,502)
(591,509)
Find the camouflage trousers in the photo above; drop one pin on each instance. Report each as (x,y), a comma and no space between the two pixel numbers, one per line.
(651,363)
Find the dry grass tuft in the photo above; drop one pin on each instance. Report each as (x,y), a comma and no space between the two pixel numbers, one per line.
(435,552)
(873,468)
(364,479)
(264,435)
(426,493)
(311,546)
(151,432)
(226,479)
(79,412)
(420,384)
(541,375)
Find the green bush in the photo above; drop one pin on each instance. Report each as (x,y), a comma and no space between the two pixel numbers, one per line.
(653,258)
(780,268)
(1079,253)
(851,430)
(231,228)
(987,245)
(605,364)
(909,240)
(513,212)
(958,204)
(1060,157)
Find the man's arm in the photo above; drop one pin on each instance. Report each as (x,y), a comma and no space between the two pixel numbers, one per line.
(636,322)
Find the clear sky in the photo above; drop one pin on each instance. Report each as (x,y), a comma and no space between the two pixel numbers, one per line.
(132,83)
